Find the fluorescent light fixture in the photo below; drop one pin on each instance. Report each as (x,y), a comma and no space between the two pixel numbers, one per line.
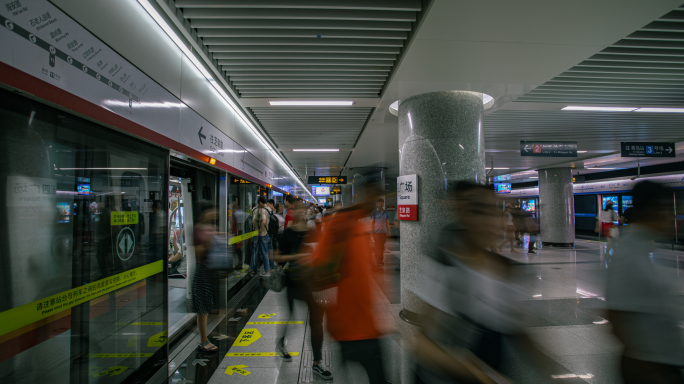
(601,168)
(582,151)
(533,177)
(316,150)
(603,109)
(225,98)
(661,110)
(500,168)
(311,103)
(537,296)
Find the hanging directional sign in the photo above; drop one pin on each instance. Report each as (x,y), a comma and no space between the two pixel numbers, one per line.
(648,149)
(548,148)
(327,180)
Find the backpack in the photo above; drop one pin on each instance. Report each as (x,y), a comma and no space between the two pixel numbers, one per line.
(248,223)
(273,224)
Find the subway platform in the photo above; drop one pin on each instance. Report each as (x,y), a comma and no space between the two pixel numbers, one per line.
(564,315)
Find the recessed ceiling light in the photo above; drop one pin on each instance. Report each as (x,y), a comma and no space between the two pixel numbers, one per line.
(661,110)
(316,150)
(581,151)
(604,109)
(311,103)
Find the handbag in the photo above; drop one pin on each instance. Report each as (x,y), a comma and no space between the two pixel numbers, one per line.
(276,282)
(219,257)
(614,232)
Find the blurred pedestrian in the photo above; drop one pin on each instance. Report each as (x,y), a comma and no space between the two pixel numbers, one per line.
(509,227)
(203,282)
(641,305)
(281,225)
(471,302)
(381,231)
(263,247)
(606,218)
(519,223)
(341,260)
(289,204)
(298,282)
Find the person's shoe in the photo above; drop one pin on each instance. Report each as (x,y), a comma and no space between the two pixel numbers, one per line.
(531,251)
(283,353)
(265,274)
(318,369)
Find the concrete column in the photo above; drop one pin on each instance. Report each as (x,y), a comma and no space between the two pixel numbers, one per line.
(556,207)
(347,191)
(441,141)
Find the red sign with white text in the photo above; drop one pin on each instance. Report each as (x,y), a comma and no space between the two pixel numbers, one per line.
(408,212)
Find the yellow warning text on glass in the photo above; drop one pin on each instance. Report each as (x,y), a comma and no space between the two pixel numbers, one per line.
(124,217)
(237,369)
(247,337)
(274,322)
(266,315)
(258,354)
(158,340)
(26,314)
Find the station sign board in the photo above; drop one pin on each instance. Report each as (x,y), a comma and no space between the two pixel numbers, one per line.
(327,180)
(647,149)
(407,197)
(548,148)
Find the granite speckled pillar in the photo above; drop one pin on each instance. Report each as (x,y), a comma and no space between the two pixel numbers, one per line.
(556,207)
(441,141)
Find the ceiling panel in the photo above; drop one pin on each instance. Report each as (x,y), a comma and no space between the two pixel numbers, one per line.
(644,68)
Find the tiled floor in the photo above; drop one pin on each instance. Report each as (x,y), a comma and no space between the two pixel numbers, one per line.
(565,318)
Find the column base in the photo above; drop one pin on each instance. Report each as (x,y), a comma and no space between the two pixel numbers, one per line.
(564,245)
(412,318)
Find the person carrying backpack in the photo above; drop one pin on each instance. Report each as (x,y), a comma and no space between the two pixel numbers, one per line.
(273,223)
(263,245)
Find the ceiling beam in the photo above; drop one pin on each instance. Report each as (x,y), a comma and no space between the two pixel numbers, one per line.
(311,77)
(302,24)
(316,68)
(303,56)
(300,48)
(297,14)
(379,5)
(253,41)
(229,63)
(302,33)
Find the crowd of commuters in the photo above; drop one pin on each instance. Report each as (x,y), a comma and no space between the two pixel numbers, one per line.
(471,302)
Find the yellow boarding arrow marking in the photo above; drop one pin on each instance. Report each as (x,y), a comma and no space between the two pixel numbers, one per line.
(246,337)
(266,316)
(158,340)
(237,369)
(112,371)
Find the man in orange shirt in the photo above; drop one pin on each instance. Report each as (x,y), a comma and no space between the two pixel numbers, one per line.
(342,259)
